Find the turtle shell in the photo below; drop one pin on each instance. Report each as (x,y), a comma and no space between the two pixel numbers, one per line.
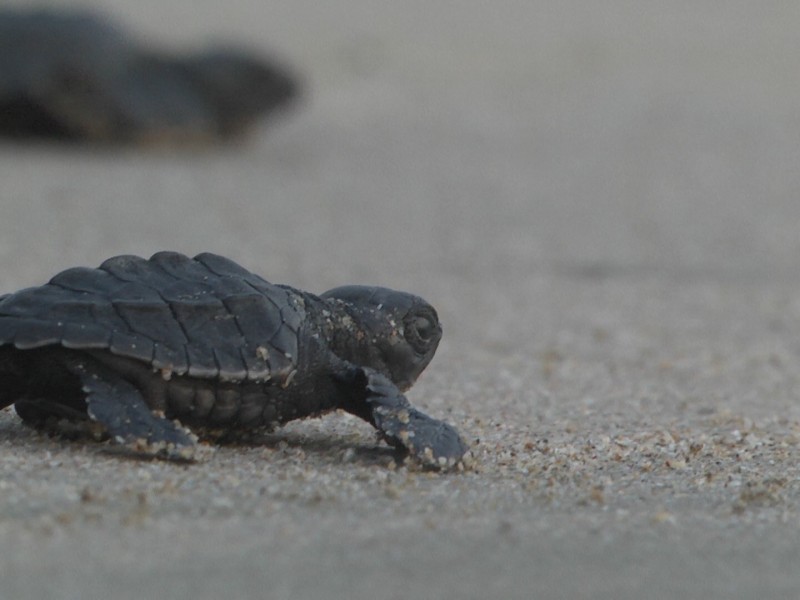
(205,317)
(75,75)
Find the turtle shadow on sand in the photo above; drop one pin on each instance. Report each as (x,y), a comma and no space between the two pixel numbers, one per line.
(322,446)
(74,76)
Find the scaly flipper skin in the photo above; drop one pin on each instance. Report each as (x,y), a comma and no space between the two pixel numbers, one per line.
(431,442)
(122,410)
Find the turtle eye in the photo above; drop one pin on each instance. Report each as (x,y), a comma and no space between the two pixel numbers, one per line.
(425,328)
(422,331)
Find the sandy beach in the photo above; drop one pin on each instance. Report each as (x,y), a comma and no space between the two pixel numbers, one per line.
(601,201)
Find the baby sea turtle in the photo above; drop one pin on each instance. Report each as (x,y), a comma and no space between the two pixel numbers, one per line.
(144,347)
(75,76)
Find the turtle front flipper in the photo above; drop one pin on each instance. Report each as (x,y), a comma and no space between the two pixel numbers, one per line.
(432,442)
(120,408)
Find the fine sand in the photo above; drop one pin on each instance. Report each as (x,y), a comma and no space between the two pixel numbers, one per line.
(601,200)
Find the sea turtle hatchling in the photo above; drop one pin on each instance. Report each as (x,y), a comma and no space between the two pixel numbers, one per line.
(146,347)
(74,75)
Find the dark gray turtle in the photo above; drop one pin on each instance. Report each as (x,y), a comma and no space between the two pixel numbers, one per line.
(137,345)
(73,75)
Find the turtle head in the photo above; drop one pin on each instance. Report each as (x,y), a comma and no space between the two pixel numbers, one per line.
(393,332)
(240,88)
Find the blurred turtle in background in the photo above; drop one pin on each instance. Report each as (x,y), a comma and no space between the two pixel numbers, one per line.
(75,76)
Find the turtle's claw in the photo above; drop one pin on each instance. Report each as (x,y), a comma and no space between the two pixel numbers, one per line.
(431,442)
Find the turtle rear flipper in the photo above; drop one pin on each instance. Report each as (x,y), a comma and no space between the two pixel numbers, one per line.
(431,442)
(120,408)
